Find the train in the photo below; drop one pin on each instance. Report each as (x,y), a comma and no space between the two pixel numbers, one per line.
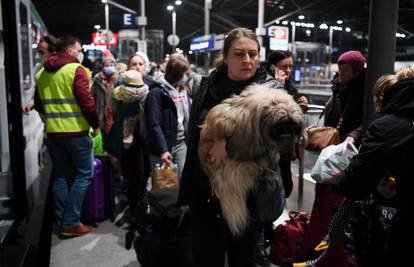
(25,211)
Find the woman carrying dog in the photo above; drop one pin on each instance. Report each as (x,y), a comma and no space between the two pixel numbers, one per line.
(214,239)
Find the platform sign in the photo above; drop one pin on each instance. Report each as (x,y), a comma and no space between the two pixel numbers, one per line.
(203,43)
(279,38)
(98,39)
(128,20)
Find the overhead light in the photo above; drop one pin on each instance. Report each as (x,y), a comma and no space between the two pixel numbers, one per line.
(170,7)
(339,21)
(97,27)
(301,17)
(104,1)
(285,22)
(347,29)
(323,26)
(190,52)
(178,2)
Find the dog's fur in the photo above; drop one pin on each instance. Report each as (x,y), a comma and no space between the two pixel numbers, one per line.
(248,122)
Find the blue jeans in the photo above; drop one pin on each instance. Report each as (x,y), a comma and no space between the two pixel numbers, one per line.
(72,159)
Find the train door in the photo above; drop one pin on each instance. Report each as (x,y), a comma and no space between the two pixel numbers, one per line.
(24,180)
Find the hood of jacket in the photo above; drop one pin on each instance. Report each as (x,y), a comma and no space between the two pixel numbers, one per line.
(56,60)
(399,99)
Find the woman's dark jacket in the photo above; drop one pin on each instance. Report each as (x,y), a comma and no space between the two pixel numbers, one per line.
(349,102)
(213,89)
(162,120)
(387,149)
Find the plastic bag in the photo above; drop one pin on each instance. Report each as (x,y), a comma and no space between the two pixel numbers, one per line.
(97,142)
(332,160)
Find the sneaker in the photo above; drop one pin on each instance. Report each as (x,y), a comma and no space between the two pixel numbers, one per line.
(261,258)
(79,230)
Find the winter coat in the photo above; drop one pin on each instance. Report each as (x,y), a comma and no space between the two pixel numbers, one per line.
(388,148)
(102,94)
(348,102)
(161,119)
(210,232)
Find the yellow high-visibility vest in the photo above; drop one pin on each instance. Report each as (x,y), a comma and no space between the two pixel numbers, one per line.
(62,112)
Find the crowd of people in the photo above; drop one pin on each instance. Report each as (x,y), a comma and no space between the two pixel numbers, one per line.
(147,116)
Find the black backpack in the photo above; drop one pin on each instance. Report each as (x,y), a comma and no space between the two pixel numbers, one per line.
(158,211)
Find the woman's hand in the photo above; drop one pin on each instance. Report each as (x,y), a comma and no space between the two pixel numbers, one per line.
(218,153)
(280,76)
(166,157)
(303,103)
(349,140)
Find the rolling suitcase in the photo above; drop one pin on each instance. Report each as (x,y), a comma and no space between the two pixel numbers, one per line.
(93,209)
(109,187)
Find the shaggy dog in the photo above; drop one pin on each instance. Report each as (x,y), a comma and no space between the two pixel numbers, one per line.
(257,125)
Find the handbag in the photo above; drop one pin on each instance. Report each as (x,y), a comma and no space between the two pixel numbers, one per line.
(287,238)
(323,136)
(165,176)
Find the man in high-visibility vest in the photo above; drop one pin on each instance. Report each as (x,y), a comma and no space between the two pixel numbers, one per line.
(63,96)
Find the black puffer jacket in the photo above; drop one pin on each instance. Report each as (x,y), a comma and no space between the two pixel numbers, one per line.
(388,148)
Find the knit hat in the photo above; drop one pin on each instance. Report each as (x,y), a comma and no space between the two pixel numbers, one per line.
(353,58)
(133,88)
(107,55)
(132,78)
(109,58)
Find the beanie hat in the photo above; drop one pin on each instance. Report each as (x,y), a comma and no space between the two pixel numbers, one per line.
(133,88)
(353,58)
(133,78)
(107,55)
(109,58)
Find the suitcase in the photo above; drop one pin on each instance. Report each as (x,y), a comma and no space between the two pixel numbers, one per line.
(93,209)
(109,187)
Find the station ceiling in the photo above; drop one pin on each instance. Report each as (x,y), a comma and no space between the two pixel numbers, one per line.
(78,17)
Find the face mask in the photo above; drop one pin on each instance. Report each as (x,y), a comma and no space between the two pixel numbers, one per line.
(79,57)
(109,70)
(183,81)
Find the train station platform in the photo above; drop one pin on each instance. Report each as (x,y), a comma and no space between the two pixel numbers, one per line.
(105,245)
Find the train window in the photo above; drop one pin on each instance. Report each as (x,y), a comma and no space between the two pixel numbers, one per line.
(25,47)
